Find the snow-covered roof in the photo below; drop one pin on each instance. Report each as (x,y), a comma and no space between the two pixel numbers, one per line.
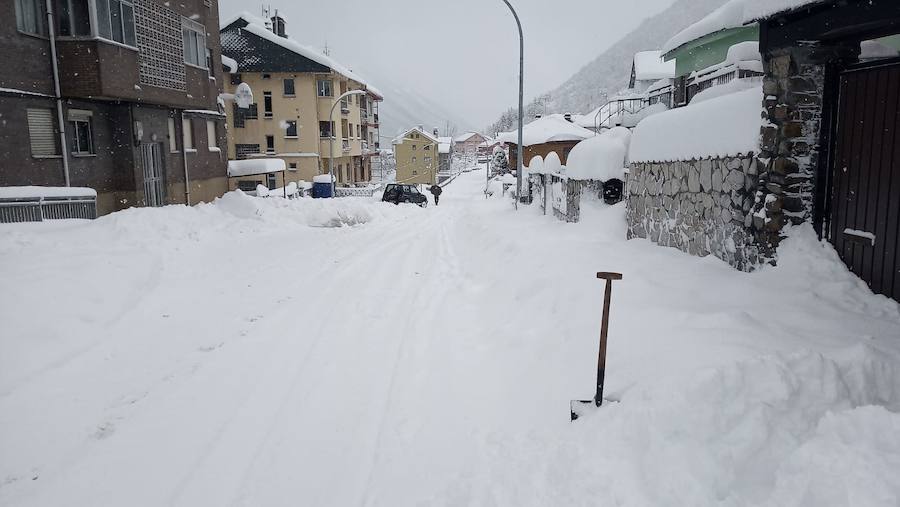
(466,136)
(257,26)
(230,63)
(600,157)
(33,192)
(545,130)
(650,66)
(444,144)
(399,139)
(733,14)
(728,125)
(253,166)
(743,56)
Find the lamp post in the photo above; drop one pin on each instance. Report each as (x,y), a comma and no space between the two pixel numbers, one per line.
(521,109)
(333,133)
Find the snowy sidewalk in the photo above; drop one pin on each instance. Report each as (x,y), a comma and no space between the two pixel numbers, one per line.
(255,352)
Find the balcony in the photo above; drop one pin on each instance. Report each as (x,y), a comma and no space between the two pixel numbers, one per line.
(345,107)
(345,145)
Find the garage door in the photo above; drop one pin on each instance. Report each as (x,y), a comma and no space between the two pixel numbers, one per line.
(865,205)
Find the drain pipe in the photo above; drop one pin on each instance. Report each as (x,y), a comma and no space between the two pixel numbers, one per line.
(59,109)
(184,149)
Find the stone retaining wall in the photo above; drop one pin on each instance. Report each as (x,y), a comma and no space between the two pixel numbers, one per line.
(702,207)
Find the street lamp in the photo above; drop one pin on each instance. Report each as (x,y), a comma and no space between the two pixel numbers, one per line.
(521,109)
(331,147)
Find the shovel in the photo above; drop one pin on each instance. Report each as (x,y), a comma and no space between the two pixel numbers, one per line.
(579,407)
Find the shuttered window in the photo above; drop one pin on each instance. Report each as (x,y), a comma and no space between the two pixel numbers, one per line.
(42,132)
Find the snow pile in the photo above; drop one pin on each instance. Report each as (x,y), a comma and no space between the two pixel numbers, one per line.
(323,178)
(33,192)
(250,167)
(536,165)
(722,126)
(735,13)
(873,49)
(601,157)
(735,85)
(552,163)
(629,119)
(649,66)
(545,130)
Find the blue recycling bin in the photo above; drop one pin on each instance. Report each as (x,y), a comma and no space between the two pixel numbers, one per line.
(320,190)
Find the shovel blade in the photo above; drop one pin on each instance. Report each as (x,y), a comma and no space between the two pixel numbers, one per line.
(577,408)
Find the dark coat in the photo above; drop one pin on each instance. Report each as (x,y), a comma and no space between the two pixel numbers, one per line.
(436,189)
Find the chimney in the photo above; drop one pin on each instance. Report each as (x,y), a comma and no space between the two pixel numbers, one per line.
(278,25)
(436,133)
(422,128)
(568,117)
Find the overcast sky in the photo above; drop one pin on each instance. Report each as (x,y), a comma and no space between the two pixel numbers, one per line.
(461,53)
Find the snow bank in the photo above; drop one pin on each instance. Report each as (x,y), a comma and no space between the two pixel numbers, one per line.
(601,157)
(547,129)
(722,126)
(735,85)
(323,178)
(733,14)
(250,167)
(33,192)
(629,119)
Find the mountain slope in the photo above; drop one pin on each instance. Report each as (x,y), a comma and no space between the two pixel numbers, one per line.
(611,71)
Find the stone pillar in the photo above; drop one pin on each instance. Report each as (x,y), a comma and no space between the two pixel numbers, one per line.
(794,85)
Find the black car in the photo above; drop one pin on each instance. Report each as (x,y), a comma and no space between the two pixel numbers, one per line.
(397,193)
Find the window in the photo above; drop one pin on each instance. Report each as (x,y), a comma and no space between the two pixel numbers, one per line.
(290,128)
(252,112)
(267,104)
(292,166)
(73,17)
(42,133)
(194,42)
(211,138)
(351,129)
(271,181)
(414,147)
(427,147)
(358,132)
(267,76)
(30,16)
(289,87)
(187,134)
(236,79)
(173,144)
(270,144)
(115,20)
(209,63)
(243,151)
(248,185)
(323,87)
(413,160)
(326,129)
(82,135)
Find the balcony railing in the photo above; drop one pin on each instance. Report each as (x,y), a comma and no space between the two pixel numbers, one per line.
(345,145)
(345,107)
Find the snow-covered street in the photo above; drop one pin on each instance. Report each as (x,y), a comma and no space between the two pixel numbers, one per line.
(349,352)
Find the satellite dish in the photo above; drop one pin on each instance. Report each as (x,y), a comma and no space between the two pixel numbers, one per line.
(243,96)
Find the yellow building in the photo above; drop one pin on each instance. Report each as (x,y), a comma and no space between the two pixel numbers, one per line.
(416,154)
(294,90)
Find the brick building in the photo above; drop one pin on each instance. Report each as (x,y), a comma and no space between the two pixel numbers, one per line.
(134,112)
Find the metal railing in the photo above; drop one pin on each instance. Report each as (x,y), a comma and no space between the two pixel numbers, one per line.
(38,209)
(345,145)
(355,191)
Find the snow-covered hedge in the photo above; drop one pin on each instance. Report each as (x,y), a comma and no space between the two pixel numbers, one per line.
(601,157)
(722,126)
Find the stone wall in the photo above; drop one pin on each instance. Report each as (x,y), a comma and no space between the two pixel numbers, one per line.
(702,207)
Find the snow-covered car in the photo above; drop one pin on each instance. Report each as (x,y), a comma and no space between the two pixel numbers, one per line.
(397,193)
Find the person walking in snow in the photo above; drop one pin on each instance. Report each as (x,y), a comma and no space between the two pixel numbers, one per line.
(436,192)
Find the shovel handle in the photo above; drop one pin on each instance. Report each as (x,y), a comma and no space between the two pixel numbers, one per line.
(604,327)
